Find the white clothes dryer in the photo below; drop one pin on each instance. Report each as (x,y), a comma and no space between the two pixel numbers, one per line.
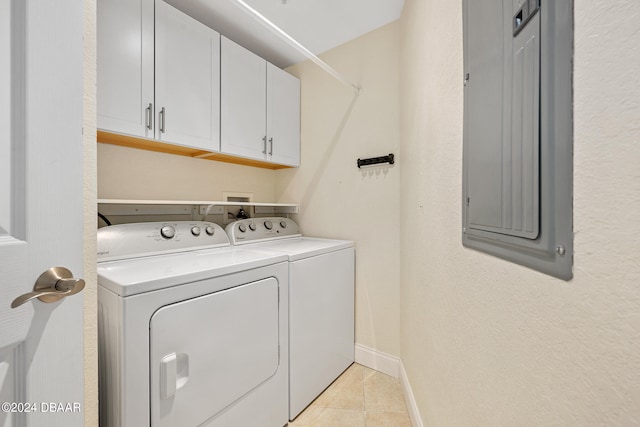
(321,302)
(192,332)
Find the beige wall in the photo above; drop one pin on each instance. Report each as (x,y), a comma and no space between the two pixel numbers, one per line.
(489,343)
(129,173)
(339,200)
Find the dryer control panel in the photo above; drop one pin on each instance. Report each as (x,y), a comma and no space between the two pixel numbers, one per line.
(152,238)
(254,230)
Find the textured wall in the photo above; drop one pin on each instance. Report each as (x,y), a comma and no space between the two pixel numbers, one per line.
(489,343)
(339,200)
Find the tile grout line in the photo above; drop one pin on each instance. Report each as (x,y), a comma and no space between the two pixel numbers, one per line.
(365,413)
(364,394)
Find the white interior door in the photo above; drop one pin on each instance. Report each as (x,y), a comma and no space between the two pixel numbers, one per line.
(41,345)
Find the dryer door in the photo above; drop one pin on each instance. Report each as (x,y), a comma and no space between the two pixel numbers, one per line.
(208,352)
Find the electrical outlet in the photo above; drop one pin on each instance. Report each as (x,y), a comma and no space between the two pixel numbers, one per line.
(230,211)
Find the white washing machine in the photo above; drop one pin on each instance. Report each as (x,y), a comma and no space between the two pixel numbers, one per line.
(321,302)
(192,331)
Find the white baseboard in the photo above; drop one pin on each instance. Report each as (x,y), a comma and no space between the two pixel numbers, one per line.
(412,407)
(377,360)
(390,365)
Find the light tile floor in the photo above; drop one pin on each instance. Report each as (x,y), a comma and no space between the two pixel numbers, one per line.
(360,397)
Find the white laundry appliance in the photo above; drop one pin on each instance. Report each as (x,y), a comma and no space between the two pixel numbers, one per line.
(321,302)
(192,331)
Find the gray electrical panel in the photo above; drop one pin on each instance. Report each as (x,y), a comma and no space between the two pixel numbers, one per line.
(517,154)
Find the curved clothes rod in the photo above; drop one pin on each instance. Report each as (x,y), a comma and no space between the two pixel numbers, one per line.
(295,44)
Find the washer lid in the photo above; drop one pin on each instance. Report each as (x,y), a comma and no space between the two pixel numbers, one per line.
(134,276)
(303,247)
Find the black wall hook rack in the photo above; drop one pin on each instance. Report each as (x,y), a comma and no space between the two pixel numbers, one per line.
(376,160)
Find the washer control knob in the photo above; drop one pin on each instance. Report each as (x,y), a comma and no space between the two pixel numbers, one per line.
(242,228)
(268,225)
(210,230)
(195,230)
(283,224)
(252,226)
(168,232)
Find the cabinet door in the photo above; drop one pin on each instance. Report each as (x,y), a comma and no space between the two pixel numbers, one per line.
(187,80)
(125,66)
(243,102)
(283,117)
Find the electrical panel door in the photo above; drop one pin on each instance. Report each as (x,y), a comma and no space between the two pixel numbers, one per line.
(517,149)
(502,94)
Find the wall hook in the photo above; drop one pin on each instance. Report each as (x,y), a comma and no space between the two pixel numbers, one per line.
(376,160)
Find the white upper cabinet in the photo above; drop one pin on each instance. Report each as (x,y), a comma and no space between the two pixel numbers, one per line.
(283,117)
(260,108)
(187,80)
(125,66)
(243,99)
(186,77)
(162,75)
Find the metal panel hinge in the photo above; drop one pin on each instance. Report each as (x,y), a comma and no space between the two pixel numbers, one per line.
(466,79)
(468,200)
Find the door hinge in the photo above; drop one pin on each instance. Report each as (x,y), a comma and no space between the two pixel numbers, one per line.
(466,79)
(468,200)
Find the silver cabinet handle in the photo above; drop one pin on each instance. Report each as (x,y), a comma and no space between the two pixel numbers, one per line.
(162,117)
(149,117)
(264,141)
(271,146)
(52,285)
